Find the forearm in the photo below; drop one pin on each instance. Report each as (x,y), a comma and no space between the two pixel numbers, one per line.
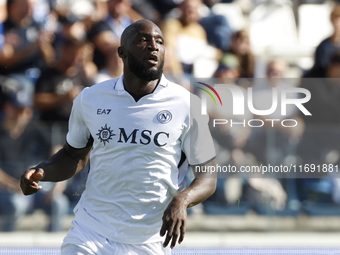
(64,164)
(7,181)
(175,215)
(202,187)
(14,58)
(48,53)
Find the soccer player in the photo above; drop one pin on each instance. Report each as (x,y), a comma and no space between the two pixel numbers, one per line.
(135,129)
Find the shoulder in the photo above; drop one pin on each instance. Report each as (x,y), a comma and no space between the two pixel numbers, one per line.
(90,97)
(181,95)
(177,90)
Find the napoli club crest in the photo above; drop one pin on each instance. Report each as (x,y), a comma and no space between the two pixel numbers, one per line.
(164,116)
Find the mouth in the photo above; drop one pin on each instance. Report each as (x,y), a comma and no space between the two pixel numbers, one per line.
(152,59)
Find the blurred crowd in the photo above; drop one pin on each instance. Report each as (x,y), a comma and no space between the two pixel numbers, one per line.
(51,49)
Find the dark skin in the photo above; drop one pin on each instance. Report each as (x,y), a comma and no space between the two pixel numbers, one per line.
(143,39)
(148,40)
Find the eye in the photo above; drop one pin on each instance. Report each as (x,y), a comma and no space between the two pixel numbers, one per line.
(159,41)
(142,39)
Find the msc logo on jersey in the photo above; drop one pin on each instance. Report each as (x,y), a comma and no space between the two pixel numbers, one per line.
(137,136)
(105,134)
(164,116)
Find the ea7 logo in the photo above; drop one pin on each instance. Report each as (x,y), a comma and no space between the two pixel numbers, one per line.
(103,111)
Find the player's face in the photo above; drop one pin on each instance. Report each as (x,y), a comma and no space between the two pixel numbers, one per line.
(145,53)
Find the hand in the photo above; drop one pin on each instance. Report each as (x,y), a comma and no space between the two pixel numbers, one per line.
(174,222)
(13,39)
(29,181)
(45,38)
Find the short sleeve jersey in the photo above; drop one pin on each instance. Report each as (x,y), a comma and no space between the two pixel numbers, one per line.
(137,148)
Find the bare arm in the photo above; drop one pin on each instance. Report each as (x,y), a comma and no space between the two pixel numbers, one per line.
(175,215)
(10,57)
(8,182)
(61,166)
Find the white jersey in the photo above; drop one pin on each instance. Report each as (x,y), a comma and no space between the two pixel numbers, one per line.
(136,151)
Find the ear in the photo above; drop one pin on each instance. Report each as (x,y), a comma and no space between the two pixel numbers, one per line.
(121,52)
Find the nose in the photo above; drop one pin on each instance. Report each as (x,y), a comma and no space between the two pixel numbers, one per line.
(153,45)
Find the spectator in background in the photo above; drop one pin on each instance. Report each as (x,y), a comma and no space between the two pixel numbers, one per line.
(324,103)
(113,67)
(73,28)
(230,138)
(229,67)
(260,193)
(2,95)
(283,139)
(240,46)
(3,11)
(325,109)
(3,17)
(271,143)
(70,27)
(106,34)
(276,69)
(118,18)
(20,137)
(26,46)
(319,144)
(327,47)
(58,86)
(186,39)
(150,10)
(217,28)
(91,11)
(164,7)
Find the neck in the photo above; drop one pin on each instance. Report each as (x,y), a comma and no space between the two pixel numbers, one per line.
(137,86)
